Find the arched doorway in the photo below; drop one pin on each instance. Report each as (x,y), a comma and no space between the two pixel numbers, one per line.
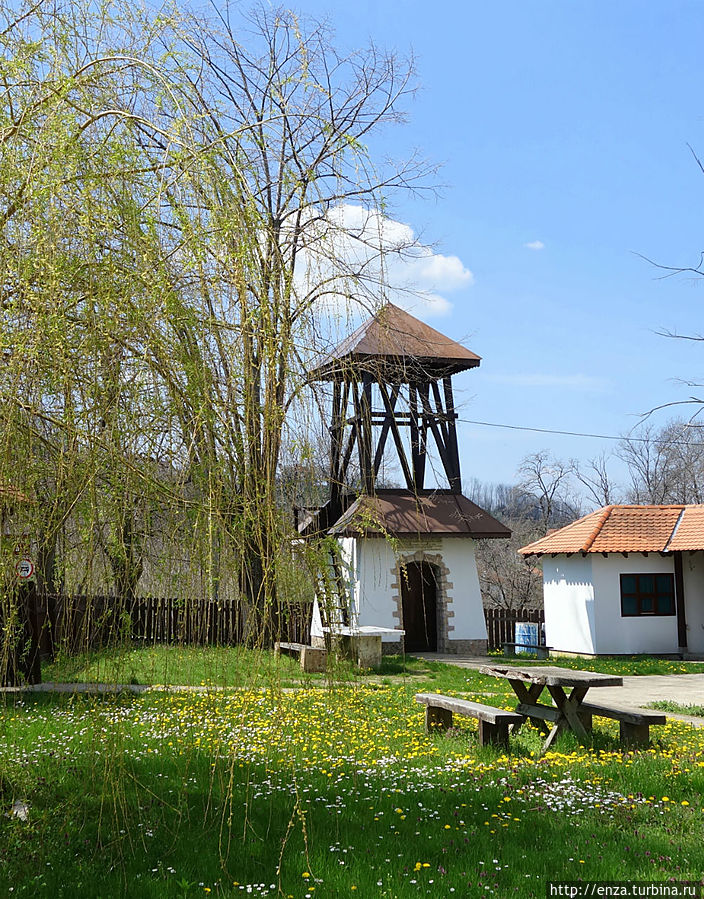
(419,601)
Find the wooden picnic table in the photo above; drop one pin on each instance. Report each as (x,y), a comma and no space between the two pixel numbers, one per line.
(568,713)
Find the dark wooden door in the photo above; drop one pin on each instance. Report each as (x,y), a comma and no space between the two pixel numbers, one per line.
(419,602)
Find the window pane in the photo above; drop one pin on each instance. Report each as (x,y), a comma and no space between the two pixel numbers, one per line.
(646,583)
(664,583)
(647,605)
(666,605)
(629,605)
(628,583)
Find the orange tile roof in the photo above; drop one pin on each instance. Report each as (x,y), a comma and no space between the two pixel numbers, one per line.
(672,528)
(688,534)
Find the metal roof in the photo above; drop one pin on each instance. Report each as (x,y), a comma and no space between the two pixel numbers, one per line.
(395,341)
(400,513)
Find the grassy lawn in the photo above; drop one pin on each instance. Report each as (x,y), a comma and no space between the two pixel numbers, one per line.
(666,705)
(329,790)
(621,665)
(240,667)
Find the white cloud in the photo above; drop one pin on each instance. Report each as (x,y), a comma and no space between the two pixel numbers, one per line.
(579,382)
(534,245)
(364,255)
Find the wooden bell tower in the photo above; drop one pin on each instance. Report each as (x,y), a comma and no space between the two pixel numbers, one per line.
(392,382)
(392,399)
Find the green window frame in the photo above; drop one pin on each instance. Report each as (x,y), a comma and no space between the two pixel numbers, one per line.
(643,595)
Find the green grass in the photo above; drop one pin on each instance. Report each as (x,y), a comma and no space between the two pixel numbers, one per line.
(238,667)
(620,665)
(197,794)
(697,711)
(187,665)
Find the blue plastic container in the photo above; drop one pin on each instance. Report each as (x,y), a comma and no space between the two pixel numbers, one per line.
(526,635)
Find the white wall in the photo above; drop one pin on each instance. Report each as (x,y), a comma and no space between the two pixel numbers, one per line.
(569,603)
(616,634)
(693,571)
(583,605)
(376,566)
(465,595)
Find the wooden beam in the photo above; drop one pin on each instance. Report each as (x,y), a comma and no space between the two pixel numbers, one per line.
(452,430)
(400,449)
(336,428)
(430,421)
(418,450)
(365,435)
(384,420)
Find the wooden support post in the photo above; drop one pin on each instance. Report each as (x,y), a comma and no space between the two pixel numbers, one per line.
(634,734)
(430,421)
(363,413)
(393,424)
(451,431)
(417,440)
(437,719)
(493,734)
(679,605)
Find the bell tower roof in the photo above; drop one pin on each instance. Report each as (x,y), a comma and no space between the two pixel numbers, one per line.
(398,345)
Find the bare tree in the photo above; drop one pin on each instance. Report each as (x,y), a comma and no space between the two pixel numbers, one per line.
(595,477)
(665,465)
(548,481)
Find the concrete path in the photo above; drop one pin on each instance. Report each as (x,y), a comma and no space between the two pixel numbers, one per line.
(684,689)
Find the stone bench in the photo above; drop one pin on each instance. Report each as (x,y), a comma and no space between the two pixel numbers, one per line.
(313,659)
(493,723)
(634,723)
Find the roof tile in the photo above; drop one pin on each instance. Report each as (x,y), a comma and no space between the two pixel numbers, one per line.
(671,528)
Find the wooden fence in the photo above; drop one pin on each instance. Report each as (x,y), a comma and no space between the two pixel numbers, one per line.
(501,625)
(82,622)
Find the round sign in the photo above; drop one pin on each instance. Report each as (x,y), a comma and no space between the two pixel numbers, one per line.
(24,569)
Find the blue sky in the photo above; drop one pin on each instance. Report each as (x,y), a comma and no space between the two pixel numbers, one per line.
(565,124)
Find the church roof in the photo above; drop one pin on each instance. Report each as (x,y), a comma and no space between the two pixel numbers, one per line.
(395,339)
(400,513)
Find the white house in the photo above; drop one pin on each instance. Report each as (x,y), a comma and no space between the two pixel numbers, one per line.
(408,563)
(625,580)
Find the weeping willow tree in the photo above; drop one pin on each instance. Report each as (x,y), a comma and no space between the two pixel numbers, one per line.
(176,198)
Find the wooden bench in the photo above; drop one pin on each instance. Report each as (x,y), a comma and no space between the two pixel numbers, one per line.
(312,659)
(493,723)
(634,723)
(540,651)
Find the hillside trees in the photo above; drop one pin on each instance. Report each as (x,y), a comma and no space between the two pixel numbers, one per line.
(544,498)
